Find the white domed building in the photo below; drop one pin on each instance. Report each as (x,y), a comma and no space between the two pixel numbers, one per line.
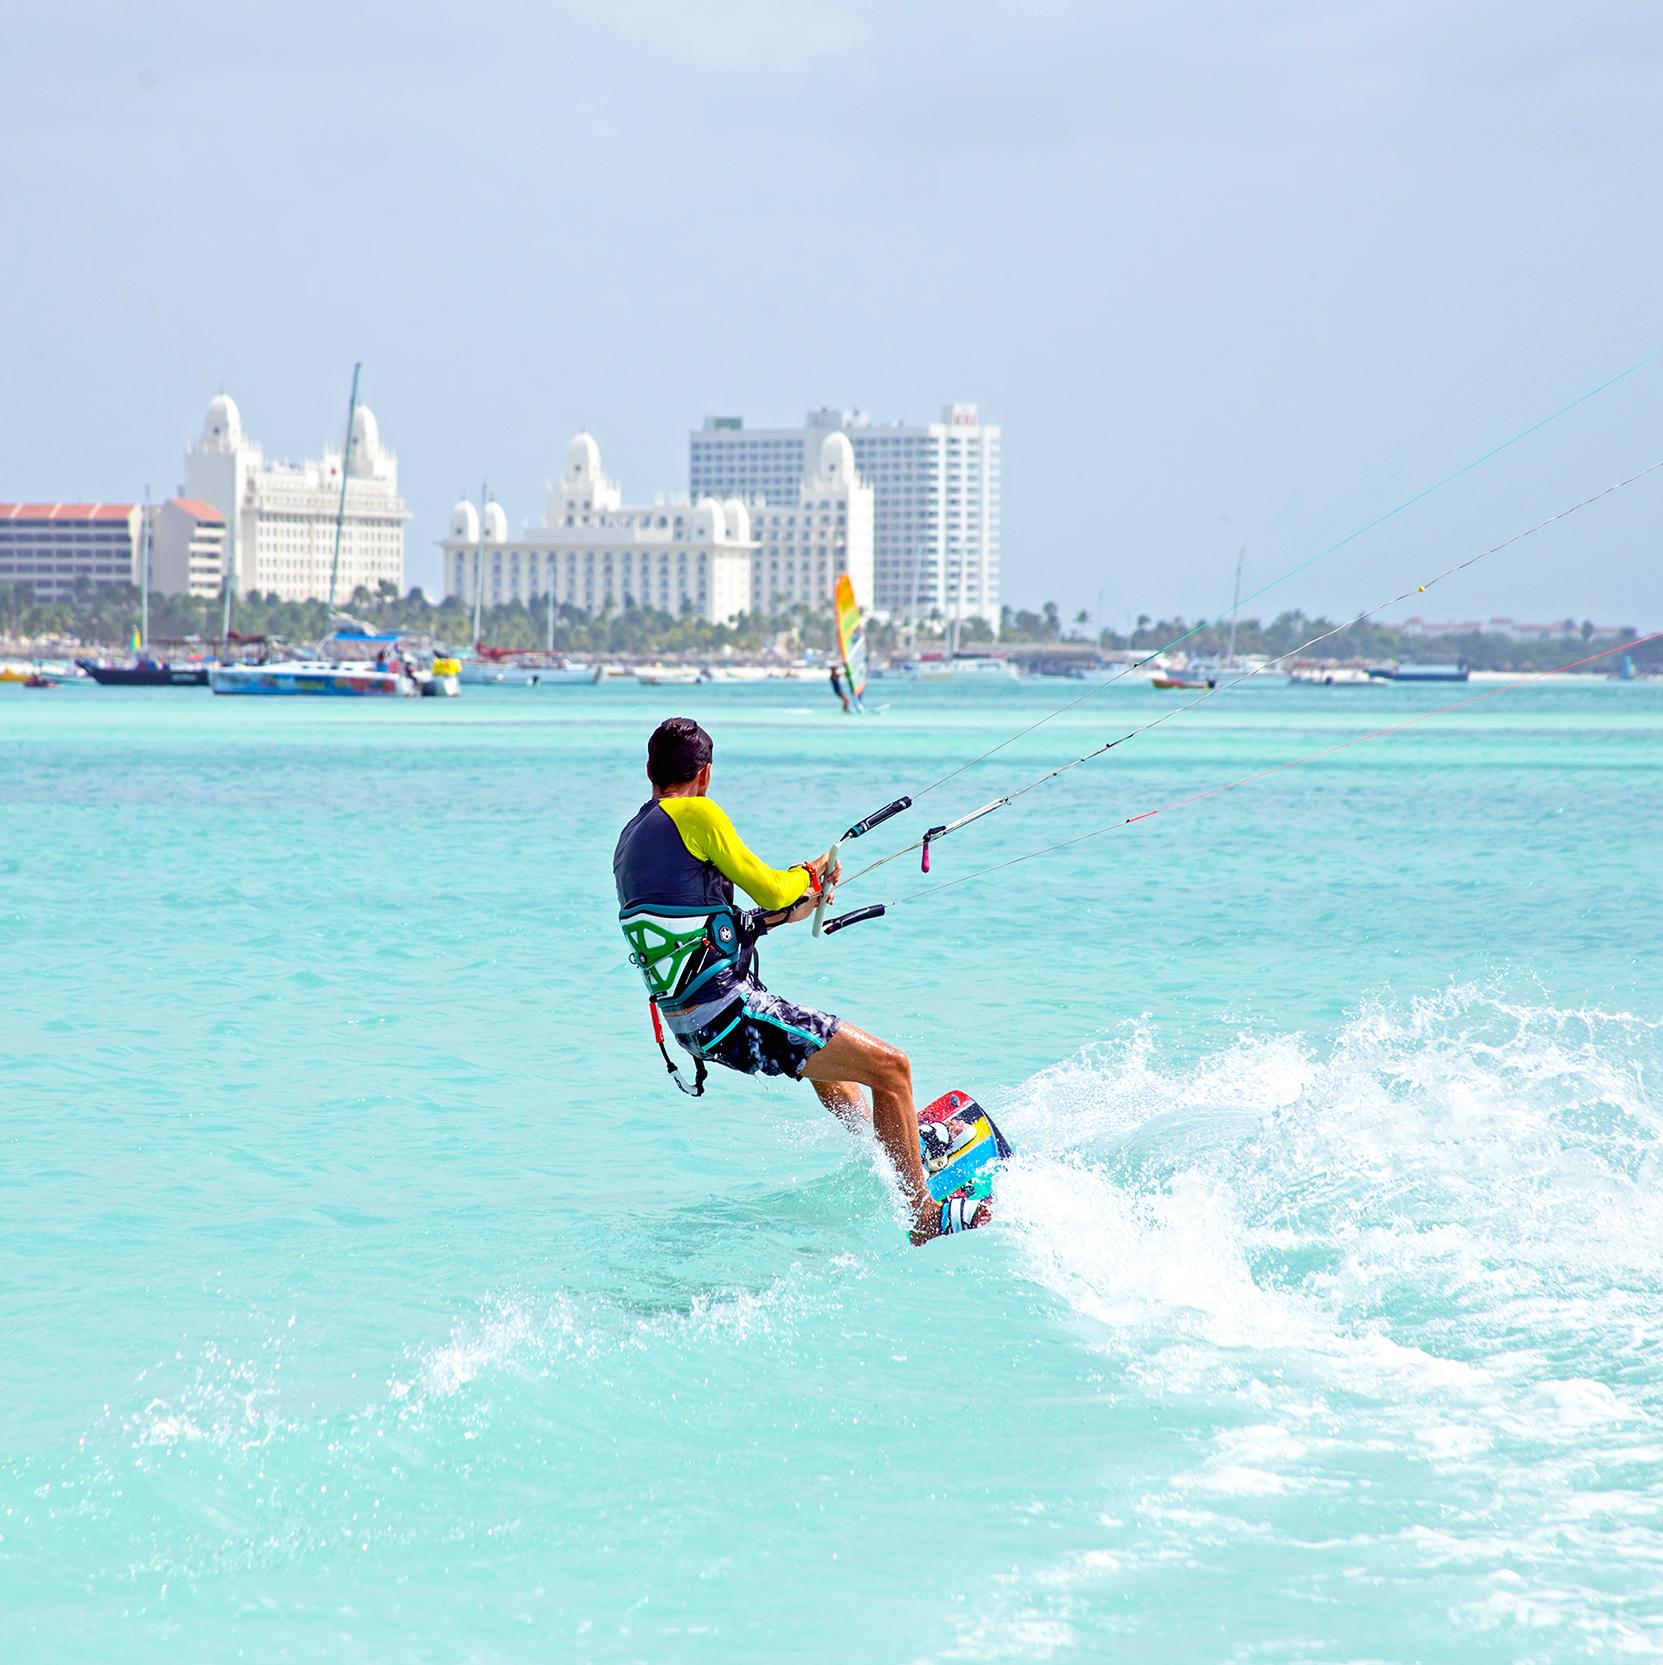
(807,541)
(593,552)
(281,515)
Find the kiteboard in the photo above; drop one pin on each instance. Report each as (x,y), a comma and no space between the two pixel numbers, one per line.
(962,1150)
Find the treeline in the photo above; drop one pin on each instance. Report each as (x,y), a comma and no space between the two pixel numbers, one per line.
(1368,642)
(108,615)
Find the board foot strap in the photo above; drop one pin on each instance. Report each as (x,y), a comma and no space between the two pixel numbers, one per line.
(960,1213)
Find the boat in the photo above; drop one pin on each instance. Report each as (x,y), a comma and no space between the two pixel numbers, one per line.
(525,668)
(670,676)
(1330,676)
(444,678)
(311,676)
(145,672)
(1199,674)
(143,669)
(957,667)
(352,663)
(1419,673)
(39,679)
(744,673)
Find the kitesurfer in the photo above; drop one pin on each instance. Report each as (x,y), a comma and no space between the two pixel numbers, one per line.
(675,866)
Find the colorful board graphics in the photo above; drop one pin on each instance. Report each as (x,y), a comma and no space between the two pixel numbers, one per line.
(962,1150)
(851,636)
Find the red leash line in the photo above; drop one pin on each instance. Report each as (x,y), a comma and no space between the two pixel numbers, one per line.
(1292,763)
(1395,728)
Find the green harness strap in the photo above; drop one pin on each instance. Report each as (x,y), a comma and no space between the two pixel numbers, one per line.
(665,947)
(662,954)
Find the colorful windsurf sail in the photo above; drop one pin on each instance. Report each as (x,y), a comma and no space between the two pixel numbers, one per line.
(851,638)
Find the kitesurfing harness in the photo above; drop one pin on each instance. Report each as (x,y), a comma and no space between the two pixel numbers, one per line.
(679,951)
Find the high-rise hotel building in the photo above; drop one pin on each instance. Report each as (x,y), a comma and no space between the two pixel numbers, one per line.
(281,535)
(935,492)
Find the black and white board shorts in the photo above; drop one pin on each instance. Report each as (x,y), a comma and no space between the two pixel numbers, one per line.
(761,1034)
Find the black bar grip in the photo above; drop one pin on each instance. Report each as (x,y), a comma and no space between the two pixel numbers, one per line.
(875,911)
(878,817)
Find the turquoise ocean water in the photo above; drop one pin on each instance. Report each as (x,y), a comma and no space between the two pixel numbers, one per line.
(369,1294)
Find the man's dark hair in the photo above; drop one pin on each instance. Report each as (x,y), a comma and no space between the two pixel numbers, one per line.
(678,750)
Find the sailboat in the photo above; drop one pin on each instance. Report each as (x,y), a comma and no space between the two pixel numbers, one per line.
(1203,673)
(144,670)
(956,665)
(351,662)
(518,667)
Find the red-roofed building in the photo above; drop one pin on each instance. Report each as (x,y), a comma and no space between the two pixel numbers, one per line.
(187,555)
(49,546)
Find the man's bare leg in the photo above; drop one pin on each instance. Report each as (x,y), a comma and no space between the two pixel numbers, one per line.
(851,1055)
(846,1101)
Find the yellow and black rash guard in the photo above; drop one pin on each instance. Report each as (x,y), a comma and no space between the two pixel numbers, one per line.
(685,853)
(682,857)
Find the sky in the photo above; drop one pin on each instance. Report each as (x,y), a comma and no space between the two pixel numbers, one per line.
(1227,275)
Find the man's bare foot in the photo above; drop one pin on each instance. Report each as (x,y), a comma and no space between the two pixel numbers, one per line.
(926,1222)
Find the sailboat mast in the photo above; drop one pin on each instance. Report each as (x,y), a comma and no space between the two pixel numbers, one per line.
(144,581)
(340,512)
(912,610)
(958,606)
(228,559)
(479,566)
(1230,652)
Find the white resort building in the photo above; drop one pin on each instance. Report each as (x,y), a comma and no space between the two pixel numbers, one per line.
(282,515)
(935,487)
(594,553)
(820,529)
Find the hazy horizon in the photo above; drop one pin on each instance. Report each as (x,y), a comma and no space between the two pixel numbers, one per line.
(1222,279)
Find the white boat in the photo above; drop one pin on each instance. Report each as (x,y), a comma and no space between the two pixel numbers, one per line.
(440,680)
(961,667)
(670,676)
(312,676)
(346,662)
(743,673)
(1331,676)
(528,670)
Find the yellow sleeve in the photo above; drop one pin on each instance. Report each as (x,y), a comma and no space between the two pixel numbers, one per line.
(708,834)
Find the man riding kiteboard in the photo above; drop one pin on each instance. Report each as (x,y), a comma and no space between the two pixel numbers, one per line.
(676,866)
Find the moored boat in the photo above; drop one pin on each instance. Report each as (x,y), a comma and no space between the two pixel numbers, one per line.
(533,668)
(670,676)
(352,663)
(957,667)
(1409,672)
(145,672)
(311,676)
(1330,676)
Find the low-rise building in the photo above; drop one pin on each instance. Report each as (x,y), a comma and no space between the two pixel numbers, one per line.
(51,546)
(594,553)
(188,548)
